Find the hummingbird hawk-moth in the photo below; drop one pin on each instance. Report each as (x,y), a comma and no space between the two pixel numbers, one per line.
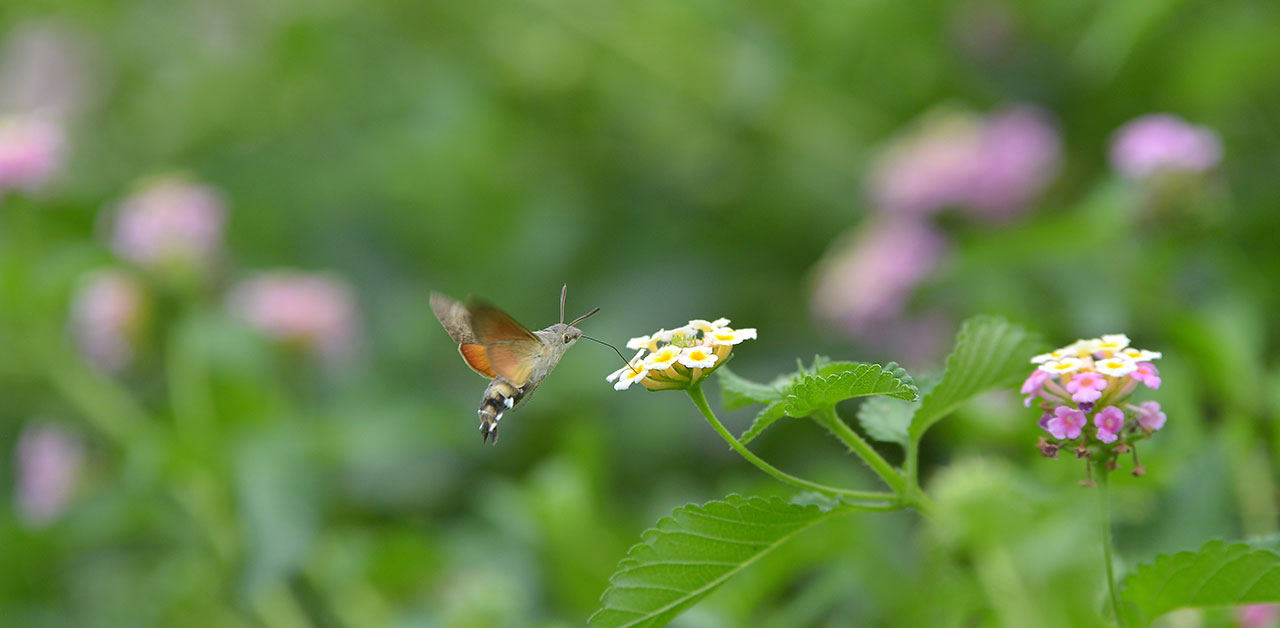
(496,346)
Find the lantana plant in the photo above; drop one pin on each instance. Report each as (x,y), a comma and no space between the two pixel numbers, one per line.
(1085,390)
(690,554)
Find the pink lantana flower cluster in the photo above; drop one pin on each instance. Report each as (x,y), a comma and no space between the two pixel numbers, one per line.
(679,358)
(1084,390)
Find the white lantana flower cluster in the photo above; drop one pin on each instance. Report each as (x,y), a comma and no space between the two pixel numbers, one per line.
(678,358)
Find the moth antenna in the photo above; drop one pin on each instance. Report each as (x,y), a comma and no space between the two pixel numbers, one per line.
(564,291)
(583,317)
(615,350)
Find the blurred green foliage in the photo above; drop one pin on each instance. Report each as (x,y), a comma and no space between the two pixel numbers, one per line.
(668,160)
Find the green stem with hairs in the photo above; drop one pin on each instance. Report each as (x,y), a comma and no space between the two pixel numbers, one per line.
(700,400)
(1104,519)
(828,418)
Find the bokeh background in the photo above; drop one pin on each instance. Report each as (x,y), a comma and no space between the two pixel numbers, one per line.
(224,400)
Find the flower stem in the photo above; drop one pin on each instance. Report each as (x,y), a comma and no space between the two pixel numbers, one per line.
(700,400)
(1104,518)
(828,418)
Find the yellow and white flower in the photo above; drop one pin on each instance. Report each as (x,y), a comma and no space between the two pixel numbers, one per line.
(664,358)
(1056,354)
(699,357)
(634,371)
(1116,366)
(1113,343)
(1084,348)
(706,327)
(680,357)
(641,342)
(1141,355)
(1062,366)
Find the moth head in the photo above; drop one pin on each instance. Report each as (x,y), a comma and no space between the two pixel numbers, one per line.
(570,334)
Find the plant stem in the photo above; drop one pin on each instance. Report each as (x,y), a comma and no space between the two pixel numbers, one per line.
(700,400)
(1104,518)
(828,418)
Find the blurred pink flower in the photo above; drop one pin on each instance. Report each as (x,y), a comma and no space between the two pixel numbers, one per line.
(32,149)
(1019,156)
(1162,142)
(868,282)
(992,166)
(106,314)
(308,311)
(1257,615)
(47,461)
(926,169)
(168,222)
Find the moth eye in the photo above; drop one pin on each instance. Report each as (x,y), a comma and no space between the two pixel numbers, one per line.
(566,337)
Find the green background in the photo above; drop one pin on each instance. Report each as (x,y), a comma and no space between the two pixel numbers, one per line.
(668,160)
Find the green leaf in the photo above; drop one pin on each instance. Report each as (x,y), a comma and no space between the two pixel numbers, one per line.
(737,392)
(771,413)
(691,553)
(807,391)
(888,420)
(814,392)
(1217,575)
(990,353)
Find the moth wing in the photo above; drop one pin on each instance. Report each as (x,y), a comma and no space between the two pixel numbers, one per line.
(514,361)
(477,358)
(512,350)
(455,318)
(491,325)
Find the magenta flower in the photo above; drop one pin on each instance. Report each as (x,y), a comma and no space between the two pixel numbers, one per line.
(1150,417)
(32,150)
(107,312)
(1087,386)
(867,283)
(1163,143)
(1066,423)
(307,311)
(1109,422)
(170,222)
(1147,374)
(47,461)
(1032,386)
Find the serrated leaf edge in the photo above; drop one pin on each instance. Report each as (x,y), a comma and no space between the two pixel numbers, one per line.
(629,562)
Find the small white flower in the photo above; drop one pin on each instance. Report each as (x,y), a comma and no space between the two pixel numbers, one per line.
(747,333)
(1053,355)
(1117,366)
(630,375)
(1141,355)
(1112,343)
(634,364)
(697,357)
(725,336)
(1062,366)
(706,326)
(665,358)
(703,326)
(639,342)
(1085,348)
